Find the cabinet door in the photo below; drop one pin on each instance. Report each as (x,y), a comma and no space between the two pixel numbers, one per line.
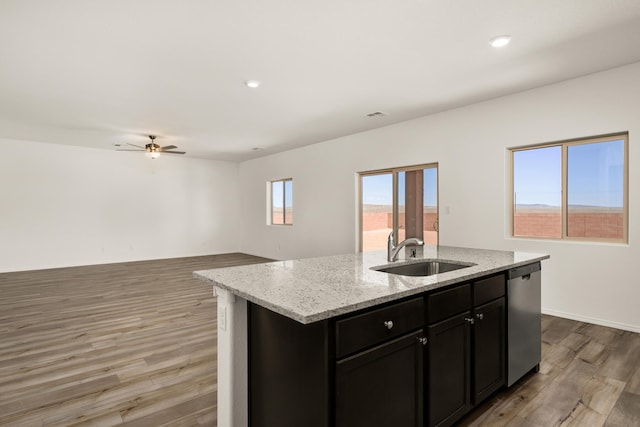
(489,349)
(382,386)
(448,370)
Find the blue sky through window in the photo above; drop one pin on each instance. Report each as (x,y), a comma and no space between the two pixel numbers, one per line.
(595,175)
(277,187)
(378,189)
(537,176)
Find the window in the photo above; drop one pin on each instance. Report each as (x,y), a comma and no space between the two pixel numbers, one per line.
(571,190)
(404,200)
(282,202)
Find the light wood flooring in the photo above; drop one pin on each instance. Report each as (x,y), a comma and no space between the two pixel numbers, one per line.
(135,344)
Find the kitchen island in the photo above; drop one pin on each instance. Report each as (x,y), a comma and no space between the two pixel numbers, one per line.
(315,311)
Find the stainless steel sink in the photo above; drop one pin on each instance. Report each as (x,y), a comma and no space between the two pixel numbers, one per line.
(426,268)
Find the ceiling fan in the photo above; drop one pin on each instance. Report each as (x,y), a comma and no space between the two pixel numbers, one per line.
(152,149)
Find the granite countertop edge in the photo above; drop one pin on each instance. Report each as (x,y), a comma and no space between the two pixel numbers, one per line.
(239,281)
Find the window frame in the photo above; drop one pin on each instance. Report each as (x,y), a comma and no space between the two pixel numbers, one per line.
(284,204)
(564,211)
(394,171)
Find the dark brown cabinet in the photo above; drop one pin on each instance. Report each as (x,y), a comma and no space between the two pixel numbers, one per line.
(289,376)
(448,355)
(425,360)
(488,338)
(488,349)
(380,366)
(466,351)
(448,370)
(382,386)
(357,332)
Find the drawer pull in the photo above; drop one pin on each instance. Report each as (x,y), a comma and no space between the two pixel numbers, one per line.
(470,320)
(388,324)
(422,340)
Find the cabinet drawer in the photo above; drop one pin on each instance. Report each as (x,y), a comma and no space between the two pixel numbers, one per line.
(360,331)
(488,289)
(447,303)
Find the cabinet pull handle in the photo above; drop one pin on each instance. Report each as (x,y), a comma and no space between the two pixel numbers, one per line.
(470,320)
(388,324)
(422,340)
(480,316)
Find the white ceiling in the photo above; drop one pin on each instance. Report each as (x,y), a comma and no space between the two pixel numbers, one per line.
(95,73)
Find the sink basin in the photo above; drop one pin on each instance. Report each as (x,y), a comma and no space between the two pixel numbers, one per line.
(426,268)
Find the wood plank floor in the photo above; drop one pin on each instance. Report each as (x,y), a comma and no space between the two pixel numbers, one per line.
(135,344)
(120,344)
(589,377)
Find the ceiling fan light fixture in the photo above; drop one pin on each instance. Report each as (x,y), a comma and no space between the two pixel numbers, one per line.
(152,150)
(500,41)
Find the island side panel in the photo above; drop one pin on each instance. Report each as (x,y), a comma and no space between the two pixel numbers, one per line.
(232,390)
(290,371)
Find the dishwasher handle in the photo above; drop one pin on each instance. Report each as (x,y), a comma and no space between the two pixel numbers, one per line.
(524,272)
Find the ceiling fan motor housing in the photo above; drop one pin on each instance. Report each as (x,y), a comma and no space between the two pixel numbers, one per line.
(152,147)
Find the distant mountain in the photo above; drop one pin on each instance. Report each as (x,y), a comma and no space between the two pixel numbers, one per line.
(573,208)
(536,206)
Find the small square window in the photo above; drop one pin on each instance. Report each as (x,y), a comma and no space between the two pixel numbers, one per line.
(282,202)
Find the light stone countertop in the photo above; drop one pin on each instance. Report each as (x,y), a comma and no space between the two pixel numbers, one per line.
(314,289)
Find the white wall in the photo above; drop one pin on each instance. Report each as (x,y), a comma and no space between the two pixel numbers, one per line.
(592,282)
(64,206)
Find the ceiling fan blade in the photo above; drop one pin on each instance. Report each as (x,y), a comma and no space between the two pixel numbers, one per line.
(127,149)
(174,152)
(134,145)
(168,147)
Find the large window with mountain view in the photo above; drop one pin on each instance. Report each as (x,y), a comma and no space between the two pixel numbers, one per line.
(403,200)
(571,190)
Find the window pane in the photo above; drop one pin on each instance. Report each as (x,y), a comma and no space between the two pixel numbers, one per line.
(288,202)
(416,188)
(415,209)
(402,197)
(595,190)
(377,210)
(430,201)
(277,202)
(537,198)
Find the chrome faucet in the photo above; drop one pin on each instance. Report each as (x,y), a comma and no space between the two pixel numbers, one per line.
(393,250)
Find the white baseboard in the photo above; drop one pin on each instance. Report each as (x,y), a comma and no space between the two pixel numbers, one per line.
(595,321)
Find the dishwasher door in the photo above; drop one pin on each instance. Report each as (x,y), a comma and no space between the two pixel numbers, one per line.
(524,335)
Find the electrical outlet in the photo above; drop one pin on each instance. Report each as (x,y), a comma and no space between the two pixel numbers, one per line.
(222,318)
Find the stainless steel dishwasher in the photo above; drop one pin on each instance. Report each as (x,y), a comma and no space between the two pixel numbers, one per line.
(524,335)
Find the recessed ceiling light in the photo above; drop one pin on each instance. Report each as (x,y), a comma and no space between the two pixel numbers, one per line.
(500,41)
(252,83)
